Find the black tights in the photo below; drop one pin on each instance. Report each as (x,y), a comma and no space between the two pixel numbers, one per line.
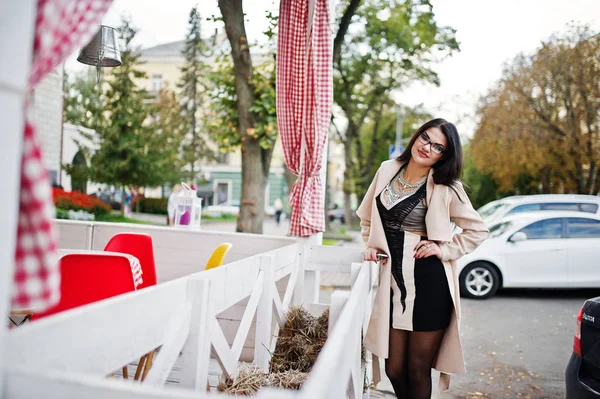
(410,360)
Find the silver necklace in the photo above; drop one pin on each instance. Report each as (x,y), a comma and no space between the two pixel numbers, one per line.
(404,189)
(406,185)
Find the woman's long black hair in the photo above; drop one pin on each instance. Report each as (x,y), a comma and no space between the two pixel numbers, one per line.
(448,169)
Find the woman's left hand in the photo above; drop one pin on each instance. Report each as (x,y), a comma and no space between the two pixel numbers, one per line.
(426,248)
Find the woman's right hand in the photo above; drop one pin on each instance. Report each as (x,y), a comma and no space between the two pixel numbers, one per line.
(371,254)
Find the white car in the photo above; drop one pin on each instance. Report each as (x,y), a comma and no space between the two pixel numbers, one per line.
(226,208)
(496,210)
(230,208)
(545,249)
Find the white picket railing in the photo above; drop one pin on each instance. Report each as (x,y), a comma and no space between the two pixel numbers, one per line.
(68,355)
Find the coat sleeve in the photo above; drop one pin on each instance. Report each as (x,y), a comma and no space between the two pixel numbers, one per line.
(365,208)
(474,231)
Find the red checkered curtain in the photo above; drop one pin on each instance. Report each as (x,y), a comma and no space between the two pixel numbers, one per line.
(304,100)
(61,27)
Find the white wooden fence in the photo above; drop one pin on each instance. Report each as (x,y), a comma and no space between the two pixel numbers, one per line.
(69,355)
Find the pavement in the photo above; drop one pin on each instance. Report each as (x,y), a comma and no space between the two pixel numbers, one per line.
(516,344)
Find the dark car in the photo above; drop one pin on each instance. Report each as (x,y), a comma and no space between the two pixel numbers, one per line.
(583,371)
(337,214)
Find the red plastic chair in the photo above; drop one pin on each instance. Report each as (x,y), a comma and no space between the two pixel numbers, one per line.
(140,246)
(88,278)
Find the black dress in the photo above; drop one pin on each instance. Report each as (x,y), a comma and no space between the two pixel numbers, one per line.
(420,299)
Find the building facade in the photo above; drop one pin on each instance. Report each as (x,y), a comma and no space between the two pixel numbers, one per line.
(46,109)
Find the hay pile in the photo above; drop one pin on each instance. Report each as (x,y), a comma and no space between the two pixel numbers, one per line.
(298,346)
(300,341)
(250,379)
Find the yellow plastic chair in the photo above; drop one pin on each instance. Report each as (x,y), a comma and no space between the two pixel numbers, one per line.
(218,256)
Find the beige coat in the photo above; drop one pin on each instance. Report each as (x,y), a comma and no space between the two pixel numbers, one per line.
(443,206)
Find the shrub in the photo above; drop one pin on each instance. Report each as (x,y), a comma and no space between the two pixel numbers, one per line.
(73,200)
(62,213)
(157,206)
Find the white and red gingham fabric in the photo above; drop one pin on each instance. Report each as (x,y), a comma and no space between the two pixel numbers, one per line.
(304,100)
(61,27)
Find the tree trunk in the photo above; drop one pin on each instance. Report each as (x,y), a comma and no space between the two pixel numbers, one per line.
(123,200)
(348,186)
(255,160)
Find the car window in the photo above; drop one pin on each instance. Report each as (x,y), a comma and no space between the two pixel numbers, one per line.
(489,209)
(589,208)
(499,228)
(561,206)
(544,229)
(493,212)
(525,208)
(583,228)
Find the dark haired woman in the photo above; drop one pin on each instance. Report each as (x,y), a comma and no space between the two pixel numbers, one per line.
(407,213)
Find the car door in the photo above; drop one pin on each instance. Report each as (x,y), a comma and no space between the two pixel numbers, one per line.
(583,247)
(541,259)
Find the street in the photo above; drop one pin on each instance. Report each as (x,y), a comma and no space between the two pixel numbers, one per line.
(518,343)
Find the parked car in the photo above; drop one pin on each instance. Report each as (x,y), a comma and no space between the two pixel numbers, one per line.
(113,200)
(496,210)
(545,249)
(231,207)
(582,376)
(337,214)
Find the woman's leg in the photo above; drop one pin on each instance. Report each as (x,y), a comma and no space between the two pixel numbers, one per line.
(396,364)
(422,348)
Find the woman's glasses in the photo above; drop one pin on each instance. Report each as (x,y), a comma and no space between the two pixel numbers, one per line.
(435,147)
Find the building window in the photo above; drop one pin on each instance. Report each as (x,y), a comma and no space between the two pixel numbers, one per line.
(223,158)
(155,83)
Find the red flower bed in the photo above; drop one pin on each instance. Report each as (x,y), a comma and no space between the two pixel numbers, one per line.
(77,201)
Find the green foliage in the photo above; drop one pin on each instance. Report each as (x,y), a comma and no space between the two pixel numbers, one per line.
(222,121)
(381,46)
(118,218)
(137,142)
(169,123)
(481,186)
(84,102)
(130,150)
(157,206)
(62,213)
(194,85)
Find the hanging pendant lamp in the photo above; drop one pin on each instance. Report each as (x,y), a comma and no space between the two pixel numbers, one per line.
(103,50)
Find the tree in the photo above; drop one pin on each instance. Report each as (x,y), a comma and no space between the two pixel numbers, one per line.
(170,127)
(193,87)
(129,151)
(540,128)
(380,47)
(84,102)
(83,106)
(245,127)
(481,186)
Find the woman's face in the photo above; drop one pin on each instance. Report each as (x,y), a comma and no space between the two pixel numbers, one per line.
(429,147)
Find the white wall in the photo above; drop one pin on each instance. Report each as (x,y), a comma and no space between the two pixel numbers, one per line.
(46,109)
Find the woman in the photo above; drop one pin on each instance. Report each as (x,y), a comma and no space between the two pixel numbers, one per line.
(407,213)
